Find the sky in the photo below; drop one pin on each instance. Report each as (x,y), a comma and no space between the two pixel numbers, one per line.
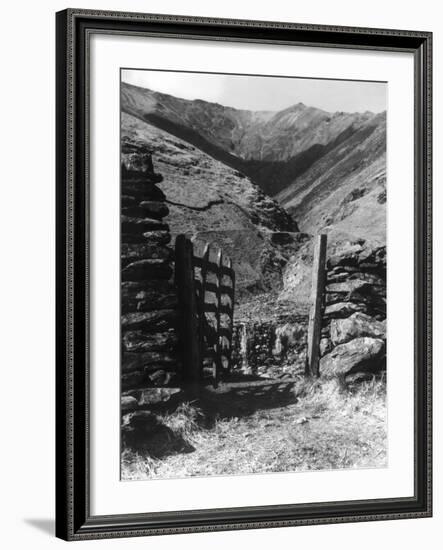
(264,93)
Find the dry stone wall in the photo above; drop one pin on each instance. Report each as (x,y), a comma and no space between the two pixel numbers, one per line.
(150,365)
(273,347)
(353,340)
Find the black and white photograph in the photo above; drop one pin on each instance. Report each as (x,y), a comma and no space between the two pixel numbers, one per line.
(253,274)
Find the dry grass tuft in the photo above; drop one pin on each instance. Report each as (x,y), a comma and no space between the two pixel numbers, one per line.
(327,426)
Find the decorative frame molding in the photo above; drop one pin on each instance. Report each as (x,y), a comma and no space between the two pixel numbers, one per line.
(74,28)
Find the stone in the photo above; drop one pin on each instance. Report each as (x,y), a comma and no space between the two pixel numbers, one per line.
(142,190)
(154,209)
(148,360)
(148,298)
(131,224)
(138,340)
(356,326)
(137,165)
(349,286)
(359,254)
(133,211)
(342,309)
(127,402)
(157,237)
(346,254)
(357,291)
(372,278)
(131,252)
(146,269)
(127,200)
(156,301)
(154,396)
(161,377)
(133,379)
(131,289)
(137,425)
(359,355)
(150,320)
(132,238)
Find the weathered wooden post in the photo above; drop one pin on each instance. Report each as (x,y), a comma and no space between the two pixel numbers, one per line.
(218,352)
(187,300)
(317,303)
(231,312)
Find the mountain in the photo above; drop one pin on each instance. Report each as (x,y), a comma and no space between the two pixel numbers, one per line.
(272,148)
(211,202)
(344,191)
(223,167)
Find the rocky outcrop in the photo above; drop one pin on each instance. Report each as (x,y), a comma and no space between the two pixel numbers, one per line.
(354,322)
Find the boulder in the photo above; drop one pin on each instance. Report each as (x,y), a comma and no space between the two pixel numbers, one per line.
(356,326)
(359,355)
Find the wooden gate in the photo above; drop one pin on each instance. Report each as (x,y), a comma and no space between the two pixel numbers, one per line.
(206,288)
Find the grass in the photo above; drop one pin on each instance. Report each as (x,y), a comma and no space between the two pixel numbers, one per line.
(326,425)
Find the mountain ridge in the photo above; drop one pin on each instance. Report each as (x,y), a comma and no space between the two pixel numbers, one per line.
(299,155)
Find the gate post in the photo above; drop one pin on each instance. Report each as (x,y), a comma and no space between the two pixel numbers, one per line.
(217,365)
(317,302)
(189,330)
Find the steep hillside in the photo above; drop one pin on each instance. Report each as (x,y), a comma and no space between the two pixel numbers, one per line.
(210,201)
(273,148)
(344,192)
(326,170)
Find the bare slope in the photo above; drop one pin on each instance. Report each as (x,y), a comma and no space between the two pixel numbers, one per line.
(209,201)
(344,192)
(327,169)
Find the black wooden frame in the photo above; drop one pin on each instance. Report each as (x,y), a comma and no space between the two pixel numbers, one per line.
(74,521)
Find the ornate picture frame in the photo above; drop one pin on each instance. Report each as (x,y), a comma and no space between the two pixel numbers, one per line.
(75,519)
